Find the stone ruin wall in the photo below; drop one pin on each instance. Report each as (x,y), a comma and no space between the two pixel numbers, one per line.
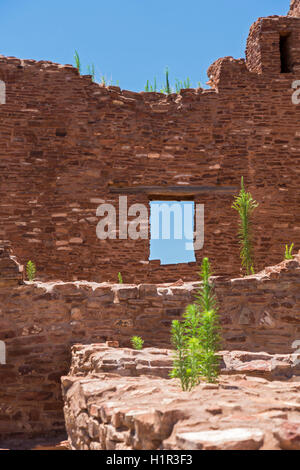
(68,144)
(294,8)
(40,322)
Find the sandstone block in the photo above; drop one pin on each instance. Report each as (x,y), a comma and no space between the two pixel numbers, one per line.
(229,439)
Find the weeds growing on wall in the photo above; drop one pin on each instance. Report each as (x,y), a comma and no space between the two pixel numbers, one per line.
(137,342)
(289,251)
(120,278)
(166,87)
(30,270)
(150,87)
(196,338)
(244,204)
(106,81)
(92,71)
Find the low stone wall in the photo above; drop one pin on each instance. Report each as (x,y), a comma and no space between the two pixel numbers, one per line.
(39,322)
(117,399)
(101,358)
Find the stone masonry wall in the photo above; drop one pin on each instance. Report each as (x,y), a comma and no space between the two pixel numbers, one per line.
(119,399)
(295,8)
(40,321)
(67,144)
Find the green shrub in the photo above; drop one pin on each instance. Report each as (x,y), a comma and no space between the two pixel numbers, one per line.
(209,336)
(289,251)
(30,270)
(244,204)
(210,341)
(137,342)
(181,360)
(120,278)
(196,339)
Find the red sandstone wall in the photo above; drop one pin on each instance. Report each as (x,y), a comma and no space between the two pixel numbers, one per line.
(40,322)
(65,141)
(294,8)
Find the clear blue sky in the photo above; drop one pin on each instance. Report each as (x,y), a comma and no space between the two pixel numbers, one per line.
(132,40)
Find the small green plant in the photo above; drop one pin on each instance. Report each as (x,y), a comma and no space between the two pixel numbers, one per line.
(137,342)
(30,270)
(244,204)
(77,62)
(289,251)
(120,278)
(196,339)
(167,85)
(91,71)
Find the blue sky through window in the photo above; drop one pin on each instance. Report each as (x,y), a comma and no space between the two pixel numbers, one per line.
(171,229)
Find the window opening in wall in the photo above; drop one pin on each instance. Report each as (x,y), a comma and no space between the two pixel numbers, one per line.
(172,231)
(285,53)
